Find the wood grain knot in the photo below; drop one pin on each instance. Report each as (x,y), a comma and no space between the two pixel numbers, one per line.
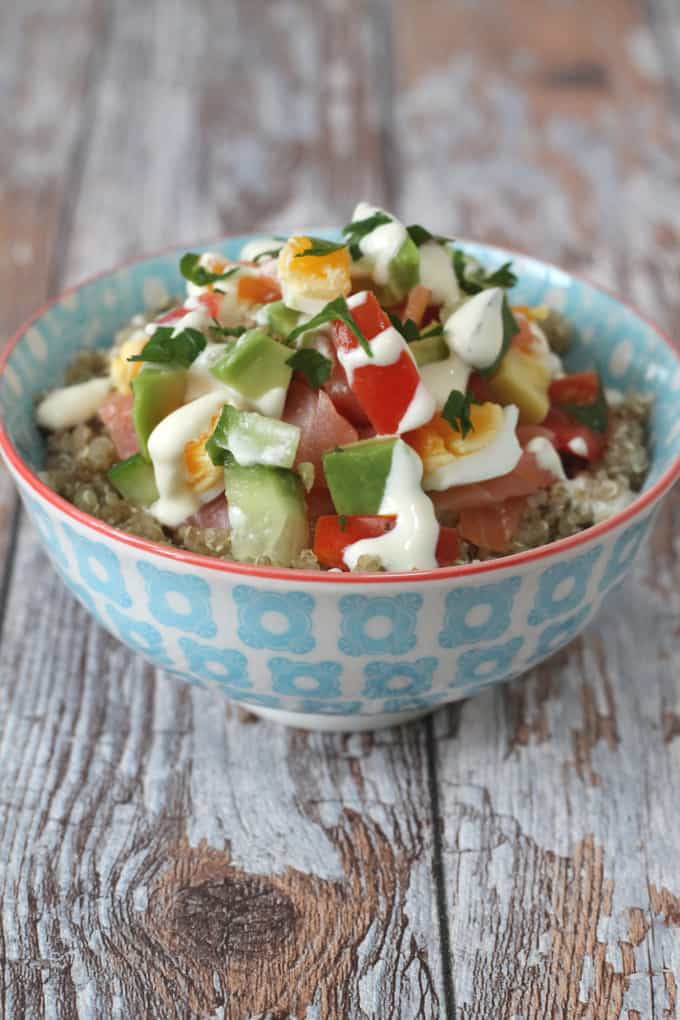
(242,916)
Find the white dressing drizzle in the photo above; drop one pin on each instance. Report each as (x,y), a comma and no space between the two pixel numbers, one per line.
(412,542)
(177,500)
(72,405)
(475,330)
(441,377)
(546,456)
(387,347)
(499,457)
(380,246)
(437,274)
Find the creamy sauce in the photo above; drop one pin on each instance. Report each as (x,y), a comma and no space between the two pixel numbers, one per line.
(252,249)
(248,451)
(177,500)
(380,246)
(441,377)
(387,347)
(437,274)
(499,457)
(270,403)
(72,405)
(475,330)
(578,446)
(412,542)
(546,456)
(294,296)
(420,410)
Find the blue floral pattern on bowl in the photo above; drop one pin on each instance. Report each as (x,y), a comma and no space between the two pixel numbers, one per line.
(346,652)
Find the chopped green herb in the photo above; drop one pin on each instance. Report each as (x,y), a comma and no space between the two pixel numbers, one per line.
(421,235)
(168,348)
(227,330)
(320,246)
(456,410)
(312,364)
(336,309)
(473,278)
(357,229)
(408,329)
(595,416)
(342,522)
(436,329)
(271,253)
(191,270)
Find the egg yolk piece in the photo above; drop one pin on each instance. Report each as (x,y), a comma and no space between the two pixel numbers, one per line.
(311,281)
(202,476)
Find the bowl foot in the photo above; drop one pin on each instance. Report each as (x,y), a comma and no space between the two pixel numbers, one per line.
(335,723)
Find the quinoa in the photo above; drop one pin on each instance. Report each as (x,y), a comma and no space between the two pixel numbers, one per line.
(78,459)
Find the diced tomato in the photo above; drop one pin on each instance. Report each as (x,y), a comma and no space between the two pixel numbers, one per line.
(567,432)
(523,340)
(116,413)
(259,290)
(480,389)
(370,319)
(321,426)
(448,547)
(333,534)
(211,300)
(214,514)
(526,478)
(492,527)
(580,389)
(172,315)
(385,392)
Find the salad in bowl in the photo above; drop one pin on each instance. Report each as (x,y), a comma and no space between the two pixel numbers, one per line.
(376,403)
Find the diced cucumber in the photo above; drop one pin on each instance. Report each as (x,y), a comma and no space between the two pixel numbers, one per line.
(428,350)
(254,364)
(250,439)
(404,268)
(158,390)
(357,474)
(267,513)
(134,480)
(281,318)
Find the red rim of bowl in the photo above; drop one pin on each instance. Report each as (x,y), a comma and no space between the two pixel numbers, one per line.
(646,499)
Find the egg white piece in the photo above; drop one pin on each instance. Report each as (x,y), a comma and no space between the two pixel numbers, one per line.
(499,457)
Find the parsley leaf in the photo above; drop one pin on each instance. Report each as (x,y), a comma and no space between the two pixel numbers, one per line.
(166,347)
(357,229)
(227,330)
(473,278)
(336,309)
(456,410)
(436,329)
(320,246)
(594,416)
(191,270)
(421,235)
(270,254)
(313,365)
(408,329)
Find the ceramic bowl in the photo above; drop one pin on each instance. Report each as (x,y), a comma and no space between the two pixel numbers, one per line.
(330,651)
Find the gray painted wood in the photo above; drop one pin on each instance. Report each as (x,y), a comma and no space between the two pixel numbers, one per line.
(560,837)
(162,856)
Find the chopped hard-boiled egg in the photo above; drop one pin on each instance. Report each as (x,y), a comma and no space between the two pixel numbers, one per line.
(201,474)
(309,282)
(123,371)
(489,450)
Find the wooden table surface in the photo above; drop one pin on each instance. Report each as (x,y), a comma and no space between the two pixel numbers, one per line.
(515,856)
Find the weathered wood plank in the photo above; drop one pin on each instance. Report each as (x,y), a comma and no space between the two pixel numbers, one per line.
(551,129)
(41,125)
(160,857)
